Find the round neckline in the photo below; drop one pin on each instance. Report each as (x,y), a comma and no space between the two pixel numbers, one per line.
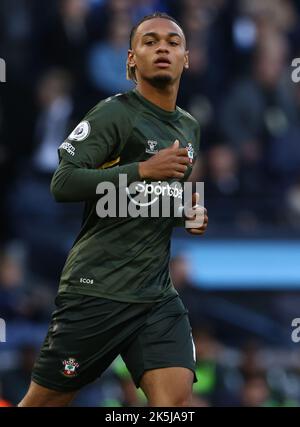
(169,115)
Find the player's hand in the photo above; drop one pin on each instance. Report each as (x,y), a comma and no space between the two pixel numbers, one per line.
(197,216)
(171,162)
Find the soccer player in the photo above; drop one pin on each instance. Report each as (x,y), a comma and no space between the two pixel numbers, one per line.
(115,294)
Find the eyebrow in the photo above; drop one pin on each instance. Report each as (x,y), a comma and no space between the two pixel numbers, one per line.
(153,34)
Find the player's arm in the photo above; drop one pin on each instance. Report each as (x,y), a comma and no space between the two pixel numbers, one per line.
(98,138)
(71,183)
(77,176)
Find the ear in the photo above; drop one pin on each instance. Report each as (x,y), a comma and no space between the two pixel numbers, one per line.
(130,58)
(186,59)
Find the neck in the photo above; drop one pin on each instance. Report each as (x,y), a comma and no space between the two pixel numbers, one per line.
(164,98)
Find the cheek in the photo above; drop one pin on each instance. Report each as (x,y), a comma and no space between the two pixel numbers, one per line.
(143,61)
(178,62)
(144,65)
(181,61)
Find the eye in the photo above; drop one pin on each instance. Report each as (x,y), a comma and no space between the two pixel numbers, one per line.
(174,43)
(149,42)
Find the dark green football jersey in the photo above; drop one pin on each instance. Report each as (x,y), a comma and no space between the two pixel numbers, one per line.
(120,258)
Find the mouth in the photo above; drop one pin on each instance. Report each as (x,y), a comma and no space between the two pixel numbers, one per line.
(162,62)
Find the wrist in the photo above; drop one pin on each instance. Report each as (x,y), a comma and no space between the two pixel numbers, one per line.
(142,170)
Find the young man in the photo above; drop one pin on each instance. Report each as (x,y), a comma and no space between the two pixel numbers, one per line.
(115,295)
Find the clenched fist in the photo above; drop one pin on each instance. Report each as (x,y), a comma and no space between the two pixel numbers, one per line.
(171,162)
(197,217)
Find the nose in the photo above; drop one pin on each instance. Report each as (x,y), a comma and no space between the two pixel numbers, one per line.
(162,47)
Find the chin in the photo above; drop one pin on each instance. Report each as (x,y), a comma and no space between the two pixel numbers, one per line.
(160,79)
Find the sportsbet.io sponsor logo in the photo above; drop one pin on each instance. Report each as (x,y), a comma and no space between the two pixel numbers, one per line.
(2,330)
(150,199)
(159,189)
(156,189)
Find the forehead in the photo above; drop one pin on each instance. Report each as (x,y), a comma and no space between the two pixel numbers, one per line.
(161,26)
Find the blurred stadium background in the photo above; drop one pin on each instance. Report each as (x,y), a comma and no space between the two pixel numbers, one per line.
(241,282)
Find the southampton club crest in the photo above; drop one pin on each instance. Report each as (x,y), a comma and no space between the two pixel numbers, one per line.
(190,152)
(70,367)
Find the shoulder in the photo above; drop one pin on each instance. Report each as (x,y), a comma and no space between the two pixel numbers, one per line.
(112,111)
(109,116)
(115,104)
(189,118)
